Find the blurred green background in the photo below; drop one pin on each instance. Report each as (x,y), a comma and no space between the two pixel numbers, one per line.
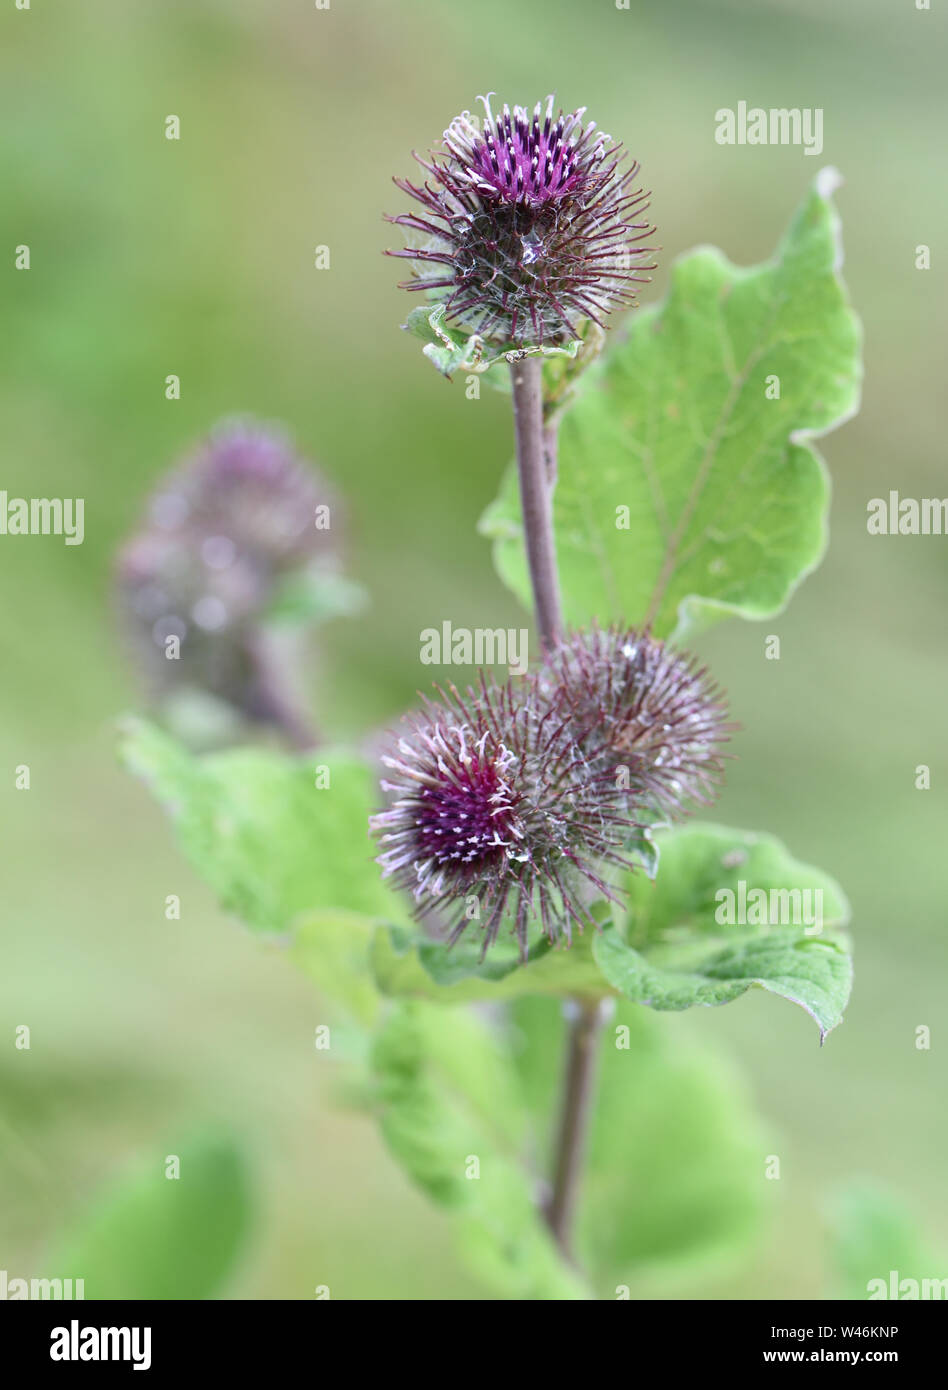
(195,257)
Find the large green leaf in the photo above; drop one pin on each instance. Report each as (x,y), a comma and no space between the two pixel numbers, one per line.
(674,1175)
(277,837)
(157,1237)
(682,941)
(450,1112)
(726,500)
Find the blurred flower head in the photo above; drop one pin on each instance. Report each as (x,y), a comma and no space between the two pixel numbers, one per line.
(529,225)
(221,535)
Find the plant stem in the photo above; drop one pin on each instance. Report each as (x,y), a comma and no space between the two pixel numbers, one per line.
(536,496)
(550,444)
(579,1083)
(536,466)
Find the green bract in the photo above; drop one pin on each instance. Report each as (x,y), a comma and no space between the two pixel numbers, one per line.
(452,350)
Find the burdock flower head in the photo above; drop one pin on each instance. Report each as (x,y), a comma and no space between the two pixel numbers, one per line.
(649,713)
(524,799)
(196,582)
(529,225)
(495,813)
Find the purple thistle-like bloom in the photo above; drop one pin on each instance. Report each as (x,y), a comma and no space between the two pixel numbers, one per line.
(636,704)
(529,225)
(222,532)
(495,807)
(528,797)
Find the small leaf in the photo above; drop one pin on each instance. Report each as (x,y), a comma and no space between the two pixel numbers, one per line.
(725,501)
(449,1110)
(154,1237)
(683,941)
(815,974)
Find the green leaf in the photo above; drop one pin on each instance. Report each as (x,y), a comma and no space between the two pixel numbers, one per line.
(701,865)
(265,831)
(411,966)
(727,500)
(730,910)
(154,1237)
(450,1113)
(452,350)
(872,1235)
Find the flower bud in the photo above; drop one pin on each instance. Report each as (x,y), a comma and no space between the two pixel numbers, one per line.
(637,705)
(527,800)
(495,815)
(529,225)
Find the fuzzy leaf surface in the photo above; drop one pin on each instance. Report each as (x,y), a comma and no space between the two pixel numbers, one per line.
(272,844)
(681,941)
